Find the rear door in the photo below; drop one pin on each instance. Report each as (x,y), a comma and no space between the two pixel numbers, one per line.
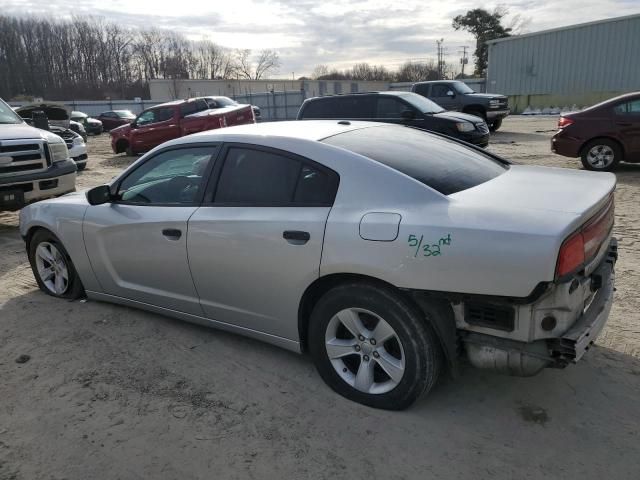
(256,244)
(138,244)
(155,126)
(627,121)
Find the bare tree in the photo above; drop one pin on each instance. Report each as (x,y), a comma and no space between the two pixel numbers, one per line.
(319,71)
(268,61)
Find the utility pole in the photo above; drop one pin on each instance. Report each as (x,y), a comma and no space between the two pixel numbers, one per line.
(441,55)
(464,60)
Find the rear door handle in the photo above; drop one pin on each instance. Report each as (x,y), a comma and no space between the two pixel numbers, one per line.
(296,236)
(172,233)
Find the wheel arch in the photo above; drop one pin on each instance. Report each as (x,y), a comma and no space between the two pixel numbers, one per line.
(602,137)
(442,323)
(121,145)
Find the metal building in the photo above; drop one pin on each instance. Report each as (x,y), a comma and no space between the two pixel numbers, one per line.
(575,65)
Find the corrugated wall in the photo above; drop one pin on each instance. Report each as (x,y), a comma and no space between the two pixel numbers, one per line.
(577,65)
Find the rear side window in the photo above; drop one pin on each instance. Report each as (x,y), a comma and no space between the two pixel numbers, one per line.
(628,108)
(258,177)
(442,164)
(194,106)
(352,107)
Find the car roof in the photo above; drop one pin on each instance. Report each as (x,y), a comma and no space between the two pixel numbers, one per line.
(395,93)
(438,81)
(313,130)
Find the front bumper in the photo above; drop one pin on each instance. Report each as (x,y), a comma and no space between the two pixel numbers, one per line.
(18,191)
(475,138)
(497,114)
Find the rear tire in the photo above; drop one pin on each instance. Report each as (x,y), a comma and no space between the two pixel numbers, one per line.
(391,371)
(601,155)
(52,267)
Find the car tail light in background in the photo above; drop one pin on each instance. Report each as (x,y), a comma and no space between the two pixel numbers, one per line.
(583,245)
(565,122)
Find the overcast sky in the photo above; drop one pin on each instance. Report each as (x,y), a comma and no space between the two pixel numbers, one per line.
(336,33)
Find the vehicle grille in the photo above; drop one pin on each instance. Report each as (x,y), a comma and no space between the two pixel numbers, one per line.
(19,156)
(482,127)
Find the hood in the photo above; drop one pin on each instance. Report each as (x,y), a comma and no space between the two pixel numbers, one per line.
(121,130)
(21,131)
(559,194)
(459,117)
(93,121)
(488,96)
(57,113)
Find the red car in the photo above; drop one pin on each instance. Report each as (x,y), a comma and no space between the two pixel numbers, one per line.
(175,119)
(602,135)
(115,118)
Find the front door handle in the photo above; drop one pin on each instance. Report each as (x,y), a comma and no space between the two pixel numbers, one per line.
(296,237)
(172,233)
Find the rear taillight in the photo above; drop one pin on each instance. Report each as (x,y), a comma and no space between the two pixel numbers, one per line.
(565,122)
(584,244)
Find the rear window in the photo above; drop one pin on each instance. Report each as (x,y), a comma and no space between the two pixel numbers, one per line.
(194,106)
(439,163)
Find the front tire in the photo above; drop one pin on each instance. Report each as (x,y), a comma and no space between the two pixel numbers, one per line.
(52,267)
(601,155)
(495,125)
(373,347)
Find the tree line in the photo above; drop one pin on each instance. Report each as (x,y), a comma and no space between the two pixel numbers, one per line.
(89,58)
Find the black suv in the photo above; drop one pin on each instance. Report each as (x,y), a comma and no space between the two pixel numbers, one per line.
(397,107)
(458,96)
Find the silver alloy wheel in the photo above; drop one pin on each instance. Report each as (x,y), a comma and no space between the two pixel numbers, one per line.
(600,156)
(365,351)
(52,268)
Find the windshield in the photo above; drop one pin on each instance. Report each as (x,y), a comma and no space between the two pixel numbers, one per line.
(422,104)
(7,115)
(124,113)
(462,88)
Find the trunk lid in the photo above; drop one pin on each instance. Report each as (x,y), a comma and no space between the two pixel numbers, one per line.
(572,195)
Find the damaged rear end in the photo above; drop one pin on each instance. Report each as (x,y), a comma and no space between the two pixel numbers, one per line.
(559,321)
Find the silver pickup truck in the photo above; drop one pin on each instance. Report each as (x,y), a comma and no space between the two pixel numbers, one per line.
(34,163)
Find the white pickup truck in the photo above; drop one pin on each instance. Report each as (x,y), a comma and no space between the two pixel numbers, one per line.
(34,163)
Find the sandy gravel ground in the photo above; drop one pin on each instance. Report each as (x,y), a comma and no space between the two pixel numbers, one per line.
(109,392)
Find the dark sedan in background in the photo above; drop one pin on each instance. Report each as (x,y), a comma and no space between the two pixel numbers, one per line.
(91,125)
(115,118)
(602,135)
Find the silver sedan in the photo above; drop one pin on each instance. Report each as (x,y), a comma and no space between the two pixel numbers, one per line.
(386,252)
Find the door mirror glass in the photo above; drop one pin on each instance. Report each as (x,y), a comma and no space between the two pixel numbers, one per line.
(99,195)
(451,94)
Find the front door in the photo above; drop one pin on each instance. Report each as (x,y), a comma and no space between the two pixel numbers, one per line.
(441,94)
(138,244)
(256,246)
(153,127)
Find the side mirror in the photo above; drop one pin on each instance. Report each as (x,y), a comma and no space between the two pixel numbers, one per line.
(133,125)
(408,114)
(451,93)
(99,195)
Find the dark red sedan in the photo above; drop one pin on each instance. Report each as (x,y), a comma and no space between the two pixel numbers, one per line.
(602,135)
(115,118)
